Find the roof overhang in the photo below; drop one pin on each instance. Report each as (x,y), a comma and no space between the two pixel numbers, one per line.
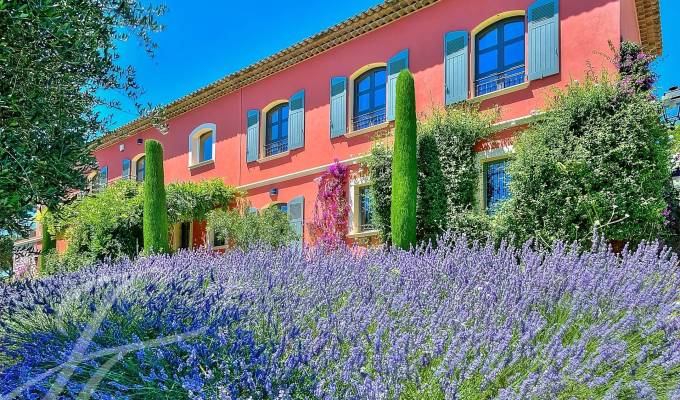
(649,21)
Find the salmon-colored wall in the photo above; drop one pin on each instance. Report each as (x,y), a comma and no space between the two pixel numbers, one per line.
(586,27)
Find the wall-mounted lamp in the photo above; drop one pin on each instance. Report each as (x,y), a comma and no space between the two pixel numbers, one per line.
(273,192)
(140,141)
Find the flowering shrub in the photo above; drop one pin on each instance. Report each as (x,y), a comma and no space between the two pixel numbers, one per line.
(451,322)
(634,66)
(330,221)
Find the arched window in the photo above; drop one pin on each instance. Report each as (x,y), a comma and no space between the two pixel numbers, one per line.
(370,98)
(202,144)
(140,169)
(276,136)
(499,56)
(205,147)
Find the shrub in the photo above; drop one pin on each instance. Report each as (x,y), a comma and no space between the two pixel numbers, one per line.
(431,218)
(105,225)
(48,243)
(108,224)
(597,159)
(244,230)
(452,157)
(379,167)
(404,165)
(450,322)
(6,256)
(330,221)
(155,209)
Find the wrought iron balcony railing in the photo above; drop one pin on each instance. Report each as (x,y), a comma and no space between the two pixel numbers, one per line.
(273,148)
(492,83)
(363,121)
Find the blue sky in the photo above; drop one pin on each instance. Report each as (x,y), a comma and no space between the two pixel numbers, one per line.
(205,40)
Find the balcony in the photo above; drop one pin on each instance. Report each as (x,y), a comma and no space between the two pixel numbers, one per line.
(274,148)
(369,119)
(501,80)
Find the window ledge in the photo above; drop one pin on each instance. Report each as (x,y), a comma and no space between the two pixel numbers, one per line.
(202,164)
(367,130)
(359,235)
(501,92)
(274,157)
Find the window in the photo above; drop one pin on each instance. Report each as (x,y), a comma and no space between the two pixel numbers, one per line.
(276,138)
(499,56)
(496,184)
(365,209)
(370,98)
(140,169)
(205,147)
(202,144)
(283,207)
(218,240)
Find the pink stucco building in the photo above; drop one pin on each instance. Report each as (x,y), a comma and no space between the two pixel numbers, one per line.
(273,127)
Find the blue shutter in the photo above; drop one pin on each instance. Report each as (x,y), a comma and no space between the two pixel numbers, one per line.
(338,106)
(296,216)
(394,66)
(296,121)
(544,41)
(456,62)
(253,136)
(126,169)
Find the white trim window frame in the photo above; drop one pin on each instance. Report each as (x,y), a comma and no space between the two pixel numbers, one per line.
(484,158)
(195,144)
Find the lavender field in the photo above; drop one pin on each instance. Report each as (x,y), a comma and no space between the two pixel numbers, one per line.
(451,323)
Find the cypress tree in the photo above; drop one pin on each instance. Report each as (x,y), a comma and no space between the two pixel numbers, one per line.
(404,164)
(155,225)
(47,244)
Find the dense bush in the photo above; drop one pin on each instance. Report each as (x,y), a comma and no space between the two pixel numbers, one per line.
(155,216)
(448,173)
(404,164)
(379,167)
(597,159)
(247,229)
(454,322)
(108,224)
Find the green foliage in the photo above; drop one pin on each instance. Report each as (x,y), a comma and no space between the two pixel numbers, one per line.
(432,199)
(155,223)
(58,61)
(108,224)
(6,247)
(245,229)
(379,167)
(48,243)
(189,201)
(597,159)
(448,174)
(404,164)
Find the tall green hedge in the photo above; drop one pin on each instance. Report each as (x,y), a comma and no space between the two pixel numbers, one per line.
(47,244)
(404,165)
(432,199)
(155,224)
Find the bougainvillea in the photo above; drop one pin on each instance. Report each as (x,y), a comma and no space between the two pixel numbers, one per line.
(330,221)
(452,322)
(634,66)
